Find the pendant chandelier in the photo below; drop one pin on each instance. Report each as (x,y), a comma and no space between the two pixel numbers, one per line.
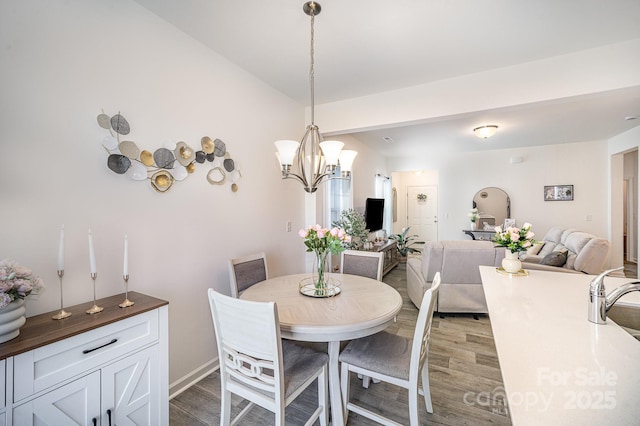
(313,160)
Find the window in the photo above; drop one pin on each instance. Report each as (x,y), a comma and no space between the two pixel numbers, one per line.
(338,197)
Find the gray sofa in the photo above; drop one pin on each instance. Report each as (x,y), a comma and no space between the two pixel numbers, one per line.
(458,263)
(585,253)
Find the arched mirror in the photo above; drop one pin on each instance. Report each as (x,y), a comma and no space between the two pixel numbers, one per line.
(493,205)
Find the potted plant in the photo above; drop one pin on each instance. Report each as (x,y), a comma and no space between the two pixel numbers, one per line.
(16,283)
(405,243)
(473,217)
(354,226)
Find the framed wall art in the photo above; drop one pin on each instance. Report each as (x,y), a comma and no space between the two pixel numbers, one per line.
(558,193)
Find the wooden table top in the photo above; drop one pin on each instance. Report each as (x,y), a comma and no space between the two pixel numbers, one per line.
(41,330)
(363,307)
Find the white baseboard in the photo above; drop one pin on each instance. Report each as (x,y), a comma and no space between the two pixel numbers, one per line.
(191,378)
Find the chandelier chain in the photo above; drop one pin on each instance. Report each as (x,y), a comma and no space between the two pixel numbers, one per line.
(311,67)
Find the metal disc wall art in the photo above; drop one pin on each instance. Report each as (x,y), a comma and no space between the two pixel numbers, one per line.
(166,165)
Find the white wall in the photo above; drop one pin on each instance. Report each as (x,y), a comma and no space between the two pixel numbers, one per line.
(460,176)
(62,62)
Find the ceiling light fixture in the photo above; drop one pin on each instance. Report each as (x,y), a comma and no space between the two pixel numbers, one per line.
(485,131)
(316,159)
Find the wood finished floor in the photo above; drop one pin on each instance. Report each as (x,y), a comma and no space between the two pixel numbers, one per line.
(465,378)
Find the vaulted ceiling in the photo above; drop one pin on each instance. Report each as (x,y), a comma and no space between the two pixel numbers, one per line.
(369,47)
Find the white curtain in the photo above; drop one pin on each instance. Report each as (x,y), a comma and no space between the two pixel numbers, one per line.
(383,190)
(338,196)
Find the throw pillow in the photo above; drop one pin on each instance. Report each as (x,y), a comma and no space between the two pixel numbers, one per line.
(535,249)
(556,258)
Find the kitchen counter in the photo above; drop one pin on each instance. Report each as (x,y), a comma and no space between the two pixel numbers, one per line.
(558,368)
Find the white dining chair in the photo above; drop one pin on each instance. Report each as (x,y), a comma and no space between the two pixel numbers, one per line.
(393,359)
(256,364)
(364,263)
(246,271)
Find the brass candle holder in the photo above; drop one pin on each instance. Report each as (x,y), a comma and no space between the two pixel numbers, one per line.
(95,308)
(62,314)
(126,302)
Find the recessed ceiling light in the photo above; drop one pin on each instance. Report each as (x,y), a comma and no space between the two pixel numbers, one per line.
(631,117)
(387,139)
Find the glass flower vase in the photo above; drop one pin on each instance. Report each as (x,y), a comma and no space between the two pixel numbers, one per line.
(320,271)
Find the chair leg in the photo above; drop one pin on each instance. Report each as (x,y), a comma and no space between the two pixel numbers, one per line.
(279,416)
(344,389)
(323,396)
(426,388)
(413,406)
(366,380)
(225,408)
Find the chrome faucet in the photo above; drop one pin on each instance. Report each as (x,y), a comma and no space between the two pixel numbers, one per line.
(599,302)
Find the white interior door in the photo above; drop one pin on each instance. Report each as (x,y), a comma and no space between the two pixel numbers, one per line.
(422,214)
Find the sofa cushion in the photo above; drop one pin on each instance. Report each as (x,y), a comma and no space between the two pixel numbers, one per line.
(535,249)
(547,248)
(593,256)
(554,235)
(556,258)
(576,241)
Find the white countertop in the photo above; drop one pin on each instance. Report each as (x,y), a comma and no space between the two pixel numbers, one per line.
(557,367)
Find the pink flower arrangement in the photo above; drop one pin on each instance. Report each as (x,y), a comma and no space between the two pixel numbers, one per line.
(16,282)
(514,239)
(319,239)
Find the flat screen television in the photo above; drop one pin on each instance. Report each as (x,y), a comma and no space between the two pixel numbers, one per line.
(374,213)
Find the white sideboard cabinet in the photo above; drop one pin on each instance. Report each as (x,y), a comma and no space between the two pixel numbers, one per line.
(105,369)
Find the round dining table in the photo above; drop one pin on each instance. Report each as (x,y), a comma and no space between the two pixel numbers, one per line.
(364,306)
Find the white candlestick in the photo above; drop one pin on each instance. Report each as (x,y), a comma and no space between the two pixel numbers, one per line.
(61,250)
(126,256)
(92,255)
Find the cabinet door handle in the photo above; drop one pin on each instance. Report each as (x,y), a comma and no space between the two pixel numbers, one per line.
(109,416)
(95,421)
(86,351)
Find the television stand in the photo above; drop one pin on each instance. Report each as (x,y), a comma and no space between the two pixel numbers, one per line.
(391,255)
